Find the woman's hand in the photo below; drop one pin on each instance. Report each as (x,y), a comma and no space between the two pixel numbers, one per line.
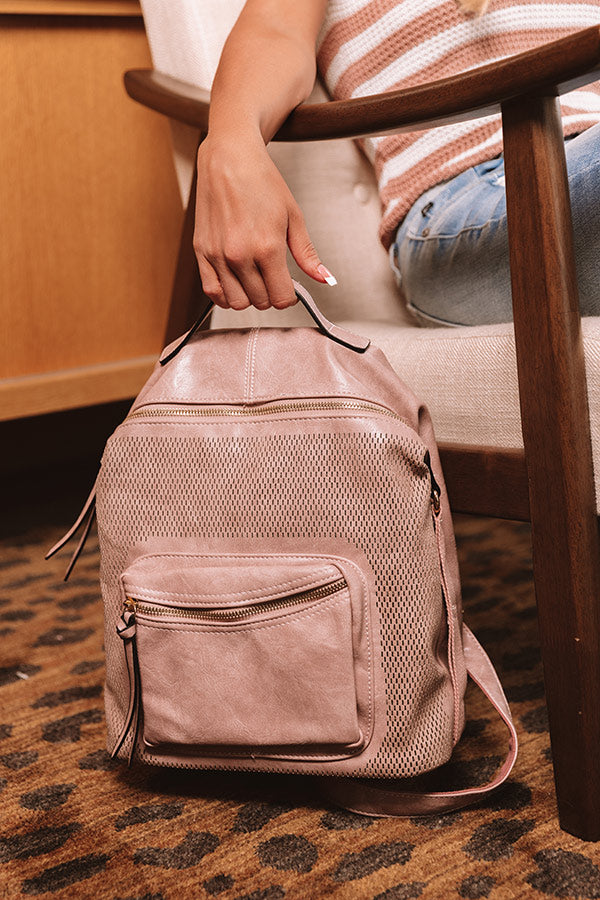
(245,217)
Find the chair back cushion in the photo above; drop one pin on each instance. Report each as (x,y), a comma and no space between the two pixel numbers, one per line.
(186,37)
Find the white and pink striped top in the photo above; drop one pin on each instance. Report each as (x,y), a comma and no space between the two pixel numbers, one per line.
(369,46)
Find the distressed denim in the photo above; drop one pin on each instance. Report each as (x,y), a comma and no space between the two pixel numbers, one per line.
(450,254)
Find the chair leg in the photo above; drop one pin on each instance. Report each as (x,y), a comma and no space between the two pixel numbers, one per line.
(556,435)
(186,296)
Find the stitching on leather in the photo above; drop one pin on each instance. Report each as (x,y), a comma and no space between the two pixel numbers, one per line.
(370,673)
(248,365)
(452,638)
(476,648)
(339,392)
(289,764)
(317,579)
(234,555)
(275,588)
(254,340)
(244,399)
(272,590)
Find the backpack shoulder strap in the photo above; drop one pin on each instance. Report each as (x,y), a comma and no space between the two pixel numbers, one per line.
(370,799)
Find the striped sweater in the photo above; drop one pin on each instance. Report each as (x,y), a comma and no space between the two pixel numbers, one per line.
(369,46)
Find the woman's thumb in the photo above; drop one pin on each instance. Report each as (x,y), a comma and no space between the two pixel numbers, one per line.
(303,251)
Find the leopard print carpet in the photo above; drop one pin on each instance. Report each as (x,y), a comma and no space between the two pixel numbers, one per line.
(76,824)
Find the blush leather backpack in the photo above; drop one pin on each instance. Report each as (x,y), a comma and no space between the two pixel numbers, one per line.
(279,570)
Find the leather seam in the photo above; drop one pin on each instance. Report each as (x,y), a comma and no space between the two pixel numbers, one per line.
(290,763)
(249,365)
(309,418)
(449,606)
(339,392)
(234,555)
(253,364)
(245,398)
(272,591)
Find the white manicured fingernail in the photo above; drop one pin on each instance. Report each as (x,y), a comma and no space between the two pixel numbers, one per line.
(329,278)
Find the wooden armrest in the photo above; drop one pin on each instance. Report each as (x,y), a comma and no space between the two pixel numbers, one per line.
(557,67)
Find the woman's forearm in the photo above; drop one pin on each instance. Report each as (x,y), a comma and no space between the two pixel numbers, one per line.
(246,216)
(267,67)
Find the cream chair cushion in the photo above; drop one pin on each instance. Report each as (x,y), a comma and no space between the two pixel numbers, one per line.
(467,376)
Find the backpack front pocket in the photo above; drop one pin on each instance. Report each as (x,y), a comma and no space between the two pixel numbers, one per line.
(249,655)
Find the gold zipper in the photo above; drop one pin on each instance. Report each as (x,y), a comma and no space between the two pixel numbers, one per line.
(262,409)
(133,605)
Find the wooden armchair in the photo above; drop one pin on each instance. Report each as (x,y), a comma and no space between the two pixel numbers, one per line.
(551,480)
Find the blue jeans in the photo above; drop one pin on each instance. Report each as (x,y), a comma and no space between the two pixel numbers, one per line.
(450,253)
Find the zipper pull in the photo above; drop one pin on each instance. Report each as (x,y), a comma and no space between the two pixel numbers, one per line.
(436,491)
(126,623)
(126,631)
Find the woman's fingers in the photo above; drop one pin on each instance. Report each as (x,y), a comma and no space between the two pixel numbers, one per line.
(272,263)
(235,281)
(211,285)
(221,285)
(249,278)
(233,285)
(233,292)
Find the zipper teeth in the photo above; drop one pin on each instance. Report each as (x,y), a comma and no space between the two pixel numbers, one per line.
(263,410)
(239,612)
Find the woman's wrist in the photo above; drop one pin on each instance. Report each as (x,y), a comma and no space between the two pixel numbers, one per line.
(231,124)
(233,154)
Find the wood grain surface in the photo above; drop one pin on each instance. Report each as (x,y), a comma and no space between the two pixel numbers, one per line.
(556,435)
(90,212)
(71,7)
(558,67)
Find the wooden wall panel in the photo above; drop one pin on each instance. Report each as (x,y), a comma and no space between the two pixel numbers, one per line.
(72,7)
(90,213)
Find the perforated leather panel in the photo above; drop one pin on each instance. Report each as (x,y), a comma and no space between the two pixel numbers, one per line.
(347,480)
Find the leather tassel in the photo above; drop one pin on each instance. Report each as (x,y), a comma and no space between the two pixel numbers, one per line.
(85,518)
(126,631)
(82,540)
